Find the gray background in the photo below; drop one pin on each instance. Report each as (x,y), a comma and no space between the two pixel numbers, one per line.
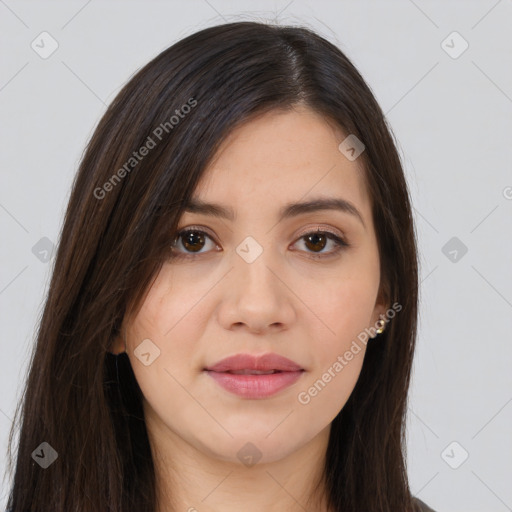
(451,116)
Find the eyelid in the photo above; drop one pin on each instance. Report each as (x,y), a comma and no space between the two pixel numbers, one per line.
(203,229)
(304,231)
(322,228)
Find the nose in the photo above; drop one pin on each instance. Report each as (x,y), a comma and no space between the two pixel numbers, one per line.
(256,297)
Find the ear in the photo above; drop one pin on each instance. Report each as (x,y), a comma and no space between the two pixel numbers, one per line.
(381,306)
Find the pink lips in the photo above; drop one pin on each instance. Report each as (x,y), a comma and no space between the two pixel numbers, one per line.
(242,374)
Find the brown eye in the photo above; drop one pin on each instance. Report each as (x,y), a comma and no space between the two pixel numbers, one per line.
(316,241)
(191,241)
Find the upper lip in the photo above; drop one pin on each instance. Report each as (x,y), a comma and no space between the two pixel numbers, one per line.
(265,362)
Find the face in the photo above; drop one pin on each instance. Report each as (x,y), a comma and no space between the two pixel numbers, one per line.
(302,286)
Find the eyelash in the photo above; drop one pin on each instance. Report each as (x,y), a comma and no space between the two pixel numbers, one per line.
(338,241)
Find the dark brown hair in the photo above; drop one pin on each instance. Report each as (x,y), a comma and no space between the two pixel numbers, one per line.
(116,234)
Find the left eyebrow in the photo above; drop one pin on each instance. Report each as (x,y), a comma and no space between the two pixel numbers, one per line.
(320,204)
(287,211)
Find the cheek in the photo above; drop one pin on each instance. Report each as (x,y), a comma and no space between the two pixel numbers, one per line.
(326,393)
(344,309)
(341,295)
(165,381)
(338,355)
(171,312)
(166,328)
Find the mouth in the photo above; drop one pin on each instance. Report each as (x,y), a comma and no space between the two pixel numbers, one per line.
(254,377)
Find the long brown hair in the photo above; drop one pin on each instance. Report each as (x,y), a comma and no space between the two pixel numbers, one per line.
(124,207)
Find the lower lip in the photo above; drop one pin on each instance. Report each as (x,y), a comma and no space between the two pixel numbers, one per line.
(255,386)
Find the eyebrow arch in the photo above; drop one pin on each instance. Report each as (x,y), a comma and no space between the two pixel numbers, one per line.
(287,211)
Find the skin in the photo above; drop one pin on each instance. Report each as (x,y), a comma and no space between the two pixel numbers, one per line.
(203,309)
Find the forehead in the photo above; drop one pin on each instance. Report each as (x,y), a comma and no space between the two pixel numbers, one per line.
(281,157)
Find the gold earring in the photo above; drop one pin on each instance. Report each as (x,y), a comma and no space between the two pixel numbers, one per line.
(382,325)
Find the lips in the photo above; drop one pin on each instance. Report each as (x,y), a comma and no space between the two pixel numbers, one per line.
(255,377)
(247,362)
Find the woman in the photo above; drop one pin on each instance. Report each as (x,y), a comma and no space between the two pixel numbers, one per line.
(231,319)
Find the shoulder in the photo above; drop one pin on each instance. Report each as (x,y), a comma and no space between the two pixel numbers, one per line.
(421,507)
